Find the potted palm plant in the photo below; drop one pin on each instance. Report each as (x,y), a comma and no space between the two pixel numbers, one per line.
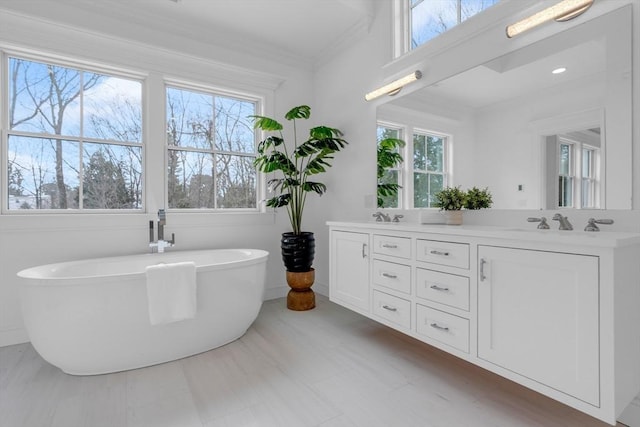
(294,166)
(388,157)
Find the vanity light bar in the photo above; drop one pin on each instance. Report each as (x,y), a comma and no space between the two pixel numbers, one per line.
(394,87)
(563,11)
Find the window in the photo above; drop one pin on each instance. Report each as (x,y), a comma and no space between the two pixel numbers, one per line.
(428,167)
(211,148)
(74,139)
(389,167)
(578,185)
(423,172)
(430,18)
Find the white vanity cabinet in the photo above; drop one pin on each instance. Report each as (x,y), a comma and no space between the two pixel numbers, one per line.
(558,312)
(538,316)
(350,266)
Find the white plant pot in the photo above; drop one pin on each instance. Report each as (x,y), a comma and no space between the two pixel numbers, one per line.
(453,217)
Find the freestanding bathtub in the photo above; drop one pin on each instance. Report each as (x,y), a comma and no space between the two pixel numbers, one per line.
(91,317)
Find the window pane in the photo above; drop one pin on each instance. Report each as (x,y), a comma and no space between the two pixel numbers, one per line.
(112,108)
(43,173)
(385,132)
(235,182)
(468,8)
(588,194)
(189,119)
(435,154)
(587,163)
(430,18)
(111,177)
(419,152)
(233,129)
(565,159)
(565,192)
(190,179)
(424,187)
(44,98)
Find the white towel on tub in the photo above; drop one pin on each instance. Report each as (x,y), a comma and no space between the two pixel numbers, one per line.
(171,292)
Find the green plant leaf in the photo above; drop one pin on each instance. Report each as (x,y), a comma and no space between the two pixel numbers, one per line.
(317,165)
(273,162)
(265,123)
(324,132)
(300,112)
(279,201)
(272,141)
(316,187)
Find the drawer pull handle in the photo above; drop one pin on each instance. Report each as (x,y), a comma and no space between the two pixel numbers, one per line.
(440,253)
(386,307)
(483,276)
(389,276)
(389,246)
(440,328)
(438,288)
(364,250)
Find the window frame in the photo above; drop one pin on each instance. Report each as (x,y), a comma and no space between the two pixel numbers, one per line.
(576,173)
(5,131)
(259,102)
(406,169)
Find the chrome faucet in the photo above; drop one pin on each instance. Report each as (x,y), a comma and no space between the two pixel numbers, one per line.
(379,216)
(161,243)
(542,220)
(591,224)
(564,222)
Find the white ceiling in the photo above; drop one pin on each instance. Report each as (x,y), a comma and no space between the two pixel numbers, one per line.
(302,29)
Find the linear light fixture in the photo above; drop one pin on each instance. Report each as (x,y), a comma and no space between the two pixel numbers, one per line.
(562,11)
(394,87)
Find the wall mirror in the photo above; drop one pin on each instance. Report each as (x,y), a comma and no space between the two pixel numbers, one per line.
(539,139)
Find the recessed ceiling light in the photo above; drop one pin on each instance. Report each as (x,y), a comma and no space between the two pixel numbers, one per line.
(559,70)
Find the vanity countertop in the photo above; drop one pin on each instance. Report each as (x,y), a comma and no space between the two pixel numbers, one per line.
(606,239)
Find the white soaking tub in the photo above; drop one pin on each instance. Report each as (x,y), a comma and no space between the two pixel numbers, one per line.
(91,317)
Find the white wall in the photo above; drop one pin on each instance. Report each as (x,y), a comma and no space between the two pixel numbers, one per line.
(28,240)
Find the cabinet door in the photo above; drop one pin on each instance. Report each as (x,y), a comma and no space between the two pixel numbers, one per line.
(538,317)
(350,269)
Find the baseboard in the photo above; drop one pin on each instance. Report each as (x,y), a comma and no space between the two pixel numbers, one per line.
(13,336)
(631,415)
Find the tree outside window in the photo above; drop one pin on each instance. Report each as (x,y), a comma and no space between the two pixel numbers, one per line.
(428,168)
(211,147)
(430,18)
(74,139)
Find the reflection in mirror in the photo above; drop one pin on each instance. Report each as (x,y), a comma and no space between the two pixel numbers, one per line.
(511,120)
(572,170)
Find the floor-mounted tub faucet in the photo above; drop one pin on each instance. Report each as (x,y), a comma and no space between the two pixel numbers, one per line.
(161,243)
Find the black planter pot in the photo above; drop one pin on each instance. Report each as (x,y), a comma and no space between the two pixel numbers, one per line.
(298,251)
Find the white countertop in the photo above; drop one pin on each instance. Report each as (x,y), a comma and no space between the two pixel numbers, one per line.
(568,237)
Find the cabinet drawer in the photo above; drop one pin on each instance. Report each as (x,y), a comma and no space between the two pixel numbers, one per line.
(395,310)
(444,327)
(444,288)
(444,253)
(392,275)
(394,246)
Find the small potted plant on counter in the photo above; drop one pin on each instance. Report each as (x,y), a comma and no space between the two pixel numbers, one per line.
(451,200)
(478,199)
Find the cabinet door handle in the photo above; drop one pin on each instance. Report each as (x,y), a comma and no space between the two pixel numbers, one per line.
(389,276)
(439,288)
(440,253)
(482,275)
(364,249)
(440,328)
(389,246)
(386,307)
